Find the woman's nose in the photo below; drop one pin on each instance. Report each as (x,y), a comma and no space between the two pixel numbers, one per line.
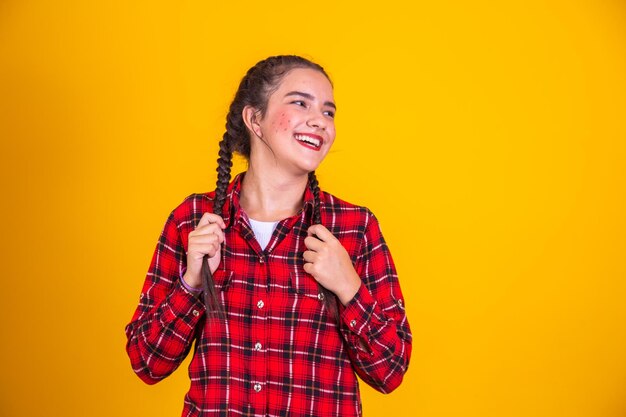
(316,120)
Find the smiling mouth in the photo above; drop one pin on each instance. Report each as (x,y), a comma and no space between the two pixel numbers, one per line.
(310,141)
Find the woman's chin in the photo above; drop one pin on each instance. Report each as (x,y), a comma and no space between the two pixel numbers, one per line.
(309,167)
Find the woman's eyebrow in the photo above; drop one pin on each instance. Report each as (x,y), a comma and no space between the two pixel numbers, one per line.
(309,97)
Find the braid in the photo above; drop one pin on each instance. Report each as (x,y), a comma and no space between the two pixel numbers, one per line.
(330,299)
(315,188)
(224,164)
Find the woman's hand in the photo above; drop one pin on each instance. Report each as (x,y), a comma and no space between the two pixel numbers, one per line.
(329,263)
(206,239)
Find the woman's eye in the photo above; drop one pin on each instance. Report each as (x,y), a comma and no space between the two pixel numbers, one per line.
(330,114)
(299,103)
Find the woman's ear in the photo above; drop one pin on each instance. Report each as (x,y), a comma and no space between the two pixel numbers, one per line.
(250,117)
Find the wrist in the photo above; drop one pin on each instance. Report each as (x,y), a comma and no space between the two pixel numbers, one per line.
(191,285)
(350,291)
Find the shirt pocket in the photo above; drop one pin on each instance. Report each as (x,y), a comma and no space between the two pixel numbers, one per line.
(214,332)
(310,316)
(222,278)
(306,294)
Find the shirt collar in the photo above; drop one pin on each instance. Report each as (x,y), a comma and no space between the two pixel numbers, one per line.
(233,212)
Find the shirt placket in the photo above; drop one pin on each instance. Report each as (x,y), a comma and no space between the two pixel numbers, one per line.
(258,340)
(260,307)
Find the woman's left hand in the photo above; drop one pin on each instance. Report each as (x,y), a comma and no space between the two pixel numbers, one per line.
(329,263)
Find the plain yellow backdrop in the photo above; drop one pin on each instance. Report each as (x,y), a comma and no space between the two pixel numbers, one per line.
(488,138)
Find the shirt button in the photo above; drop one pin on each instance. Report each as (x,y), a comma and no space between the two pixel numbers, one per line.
(258,346)
(400,303)
(352,323)
(261,260)
(195,313)
(260,304)
(257,387)
(320,296)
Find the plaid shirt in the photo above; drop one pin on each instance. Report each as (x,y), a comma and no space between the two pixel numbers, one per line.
(278,352)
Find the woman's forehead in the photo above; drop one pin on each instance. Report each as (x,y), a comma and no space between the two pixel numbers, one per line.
(308,81)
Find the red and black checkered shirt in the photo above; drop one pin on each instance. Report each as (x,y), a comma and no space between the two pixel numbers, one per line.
(278,352)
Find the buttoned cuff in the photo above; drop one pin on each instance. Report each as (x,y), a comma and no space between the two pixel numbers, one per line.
(356,317)
(183,305)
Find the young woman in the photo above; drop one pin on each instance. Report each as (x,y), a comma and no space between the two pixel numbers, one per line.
(287,291)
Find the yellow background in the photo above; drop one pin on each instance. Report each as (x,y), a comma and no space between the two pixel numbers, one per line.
(488,137)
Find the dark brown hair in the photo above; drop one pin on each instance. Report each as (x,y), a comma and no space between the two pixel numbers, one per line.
(254,90)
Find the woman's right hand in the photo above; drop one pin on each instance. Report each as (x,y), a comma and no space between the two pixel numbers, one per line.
(206,239)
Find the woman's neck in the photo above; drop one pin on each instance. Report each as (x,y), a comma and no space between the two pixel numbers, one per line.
(271,198)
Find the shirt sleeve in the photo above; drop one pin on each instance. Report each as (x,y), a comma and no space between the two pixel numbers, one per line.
(374,323)
(163,326)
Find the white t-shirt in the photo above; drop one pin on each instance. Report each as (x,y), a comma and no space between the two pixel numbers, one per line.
(263,231)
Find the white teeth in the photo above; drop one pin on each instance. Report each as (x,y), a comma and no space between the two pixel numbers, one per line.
(307,139)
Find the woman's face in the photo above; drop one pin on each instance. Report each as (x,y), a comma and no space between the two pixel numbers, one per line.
(298,124)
